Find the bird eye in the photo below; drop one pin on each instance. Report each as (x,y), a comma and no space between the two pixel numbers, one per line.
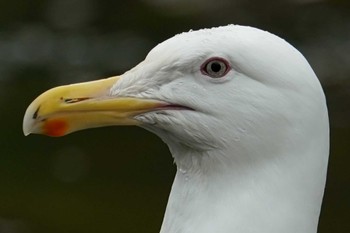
(215,67)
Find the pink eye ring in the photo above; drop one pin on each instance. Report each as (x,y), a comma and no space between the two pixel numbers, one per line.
(215,67)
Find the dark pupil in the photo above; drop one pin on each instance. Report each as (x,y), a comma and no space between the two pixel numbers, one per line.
(215,67)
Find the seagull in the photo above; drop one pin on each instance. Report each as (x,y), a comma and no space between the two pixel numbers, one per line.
(244,117)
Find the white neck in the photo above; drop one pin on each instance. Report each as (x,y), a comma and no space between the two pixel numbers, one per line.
(216,191)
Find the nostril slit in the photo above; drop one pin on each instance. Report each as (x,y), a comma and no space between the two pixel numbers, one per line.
(35,115)
(74,100)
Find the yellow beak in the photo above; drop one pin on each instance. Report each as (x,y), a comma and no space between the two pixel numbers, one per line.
(65,109)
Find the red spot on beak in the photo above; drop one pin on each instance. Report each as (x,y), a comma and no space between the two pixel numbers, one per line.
(55,127)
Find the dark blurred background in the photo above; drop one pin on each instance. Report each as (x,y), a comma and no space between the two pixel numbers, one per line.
(118,179)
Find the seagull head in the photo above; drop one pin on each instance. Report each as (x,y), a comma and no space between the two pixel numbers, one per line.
(205,89)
